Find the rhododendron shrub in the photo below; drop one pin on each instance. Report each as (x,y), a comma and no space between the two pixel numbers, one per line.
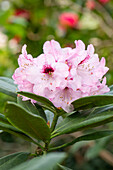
(62,74)
(61,91)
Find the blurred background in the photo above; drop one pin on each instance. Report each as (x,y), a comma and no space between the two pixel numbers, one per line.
(33,22)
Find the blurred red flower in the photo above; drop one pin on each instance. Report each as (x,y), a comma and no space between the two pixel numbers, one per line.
(90,4)
(104,1)
(68,19)
(17,39)
(22,13)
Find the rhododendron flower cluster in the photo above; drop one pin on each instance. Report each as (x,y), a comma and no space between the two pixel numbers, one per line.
(62,74)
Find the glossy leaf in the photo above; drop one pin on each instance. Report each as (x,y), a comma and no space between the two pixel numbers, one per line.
(95,135)
(41,100)
(3,119)
(31,124)
(7,127)
(92,101)
(7,86)
(88,137)
(103,109)
(45,162)
(73,123)
(111,90)
(41,111)
(33,108)
(5,124)
(10,161)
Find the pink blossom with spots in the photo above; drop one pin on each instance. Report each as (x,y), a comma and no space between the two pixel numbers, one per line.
(50,74)
(25,62)
(62,74)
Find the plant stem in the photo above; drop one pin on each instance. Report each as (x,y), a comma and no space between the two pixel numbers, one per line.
(54,122)
(64,145)
(38,145)
(46,148)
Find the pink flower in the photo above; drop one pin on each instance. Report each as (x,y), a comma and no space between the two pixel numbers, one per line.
(24,58)
(100,88)
(76,55)
(90,69)
(103,1)
(68,19)
(53,47)
(50,74)
(63,97)
(25,61)
(62,74)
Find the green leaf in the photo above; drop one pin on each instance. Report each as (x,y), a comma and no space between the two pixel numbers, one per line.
(73,123)
(4,16)
(7,127)
(95,135)
(13,29)
(46,162)
(97,110)
(33,108)
(5,124)
(3,119)
(18,134)
(10,161)
(91,136)
(7,86)
(61,167)
(111,90)
(31,124)
(43,101)
(92,101)
(103,109)
(41,111)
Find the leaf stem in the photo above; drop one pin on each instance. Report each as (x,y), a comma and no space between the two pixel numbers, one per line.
(38,145)
(63,146)
(54,122)
(46,147)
